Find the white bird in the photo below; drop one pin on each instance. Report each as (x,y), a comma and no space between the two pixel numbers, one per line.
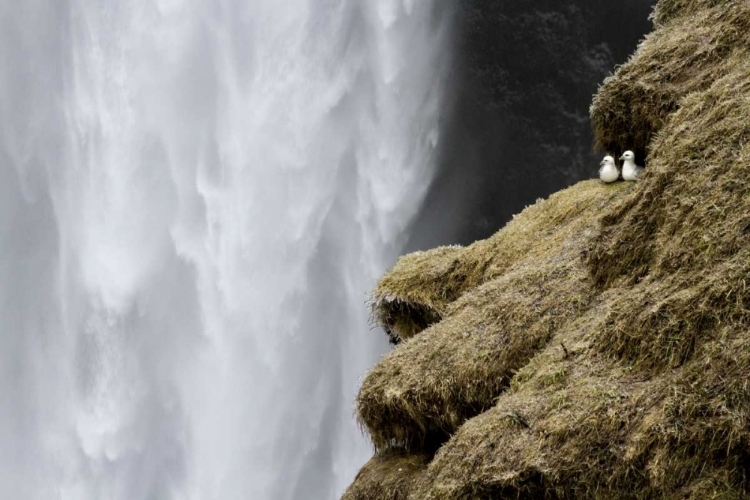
(608,171)
(630,171)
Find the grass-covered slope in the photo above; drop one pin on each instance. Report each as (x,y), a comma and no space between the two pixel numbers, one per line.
(516,289)
(390,475)
(695,43)
(598,346)
(422,287)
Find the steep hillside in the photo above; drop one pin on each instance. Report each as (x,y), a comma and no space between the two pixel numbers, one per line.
(522,78)
(598,346)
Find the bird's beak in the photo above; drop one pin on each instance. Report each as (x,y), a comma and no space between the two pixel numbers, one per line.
(601,162)
(622,158)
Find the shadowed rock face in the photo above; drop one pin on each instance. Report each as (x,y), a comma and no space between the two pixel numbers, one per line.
(518,130)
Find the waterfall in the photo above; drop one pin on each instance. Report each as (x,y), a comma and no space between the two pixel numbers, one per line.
(195,199)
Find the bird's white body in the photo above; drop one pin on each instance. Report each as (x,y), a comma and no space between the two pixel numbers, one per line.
(608,171)
(630,171)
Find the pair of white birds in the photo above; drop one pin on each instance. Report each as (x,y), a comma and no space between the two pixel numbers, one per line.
(608,172)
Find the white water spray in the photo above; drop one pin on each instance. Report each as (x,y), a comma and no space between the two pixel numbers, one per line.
(195,198)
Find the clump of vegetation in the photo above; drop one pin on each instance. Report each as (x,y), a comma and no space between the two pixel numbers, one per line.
(667,10)
(597,346)
(697,46)
(387,476)
(421,287)
(515,290)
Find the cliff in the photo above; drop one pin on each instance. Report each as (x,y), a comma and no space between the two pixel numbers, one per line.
(598,346)
(522,75)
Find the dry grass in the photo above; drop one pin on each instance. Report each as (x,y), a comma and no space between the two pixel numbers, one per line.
(604,430)
(683,246)
(667,10)
(387,476)
(685,56)
(421,287)
(424,390)
(417,292)
(597,346)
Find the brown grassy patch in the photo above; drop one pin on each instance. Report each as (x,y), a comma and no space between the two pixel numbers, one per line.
(692,270)
(387,476)
(420,288)
(598,346)
(605,432)
(667,10)
(420,393)
(683,57)
(417,292)
(429,386)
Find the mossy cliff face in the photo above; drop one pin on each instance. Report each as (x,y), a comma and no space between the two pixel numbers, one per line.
(598,346)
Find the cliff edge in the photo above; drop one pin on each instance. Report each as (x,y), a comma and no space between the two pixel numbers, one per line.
(598,346)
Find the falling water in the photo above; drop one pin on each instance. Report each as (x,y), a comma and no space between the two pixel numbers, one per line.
(195,198)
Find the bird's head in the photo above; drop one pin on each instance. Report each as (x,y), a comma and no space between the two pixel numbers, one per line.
(628,156)
(607,160)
